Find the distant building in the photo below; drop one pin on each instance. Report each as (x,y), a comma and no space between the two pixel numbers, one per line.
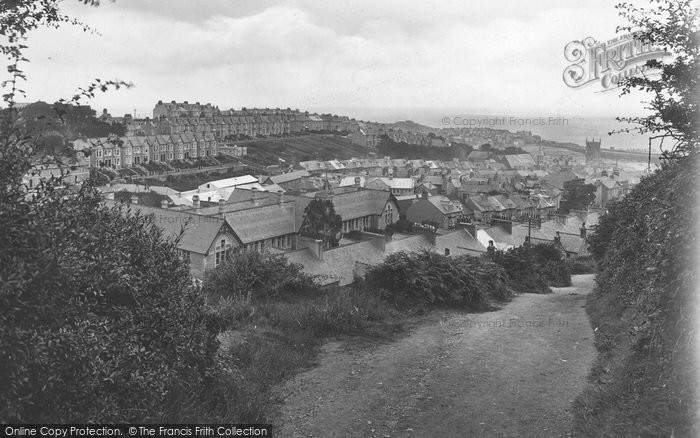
(592,150)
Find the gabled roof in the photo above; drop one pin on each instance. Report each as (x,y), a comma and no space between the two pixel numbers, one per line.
(459,242)
(199,231)
(395,183)
(360,203)
(445,205)
(520,161)
(228,182)
(348,181)
(290,176)
(259,223)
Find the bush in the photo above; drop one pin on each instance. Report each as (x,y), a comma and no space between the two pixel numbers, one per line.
(262,275)
(100,321)
(581,265)
(532,269)
(645,246)
(427,278)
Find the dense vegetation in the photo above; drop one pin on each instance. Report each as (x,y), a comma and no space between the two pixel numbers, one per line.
(534,268)
(388,147)
(427,278)
(644,382)
(98,318)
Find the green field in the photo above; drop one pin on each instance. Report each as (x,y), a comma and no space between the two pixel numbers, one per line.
(294,150)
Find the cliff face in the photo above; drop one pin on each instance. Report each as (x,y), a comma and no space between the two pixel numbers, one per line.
(644,382)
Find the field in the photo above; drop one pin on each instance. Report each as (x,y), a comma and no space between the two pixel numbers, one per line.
(294,150)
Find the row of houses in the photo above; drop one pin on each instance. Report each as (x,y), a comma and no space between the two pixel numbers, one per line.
(174,117)
(122,152)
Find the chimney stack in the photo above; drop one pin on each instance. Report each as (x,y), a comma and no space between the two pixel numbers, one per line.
(134,199)
(583,230)
(195,202)
(222,205)
(280,193)
(557,238)
(254,195)
(163,203)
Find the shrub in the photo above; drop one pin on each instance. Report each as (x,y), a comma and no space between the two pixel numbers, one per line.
(427,278)
(534,268)
(262,275)
(581,265)
(99,320)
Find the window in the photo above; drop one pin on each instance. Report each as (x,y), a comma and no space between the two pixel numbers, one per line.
(99,154)
(185,256)
(221,252)
(388,217)
(447,251)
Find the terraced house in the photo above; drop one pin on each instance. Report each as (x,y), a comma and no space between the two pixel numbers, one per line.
(121,152)
(177,118)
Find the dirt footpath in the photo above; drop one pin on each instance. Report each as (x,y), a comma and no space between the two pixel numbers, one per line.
(513,372)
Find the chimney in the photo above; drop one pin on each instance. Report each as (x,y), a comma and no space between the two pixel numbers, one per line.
(254,195)
(222,205)
(358,181)
(316,248)
(163,203)
(280,193)
(557,238)
(195,202)
(425,194)
(583,230)
(134,199)
(490,249)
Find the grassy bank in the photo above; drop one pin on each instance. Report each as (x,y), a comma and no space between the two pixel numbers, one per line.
(643,382)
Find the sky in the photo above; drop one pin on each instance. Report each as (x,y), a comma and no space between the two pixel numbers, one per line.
(360,58)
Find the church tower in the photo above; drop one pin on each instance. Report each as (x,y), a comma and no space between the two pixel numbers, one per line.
(592,150)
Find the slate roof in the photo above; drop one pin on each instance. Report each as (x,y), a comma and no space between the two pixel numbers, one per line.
(338,264)
(445,205)
(199,231)
(259,223)
(395,183)
(228,182)
(360,203)
(520,161)
(290,176)
(459,242)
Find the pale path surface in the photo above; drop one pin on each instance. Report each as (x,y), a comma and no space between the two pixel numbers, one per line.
(513,372)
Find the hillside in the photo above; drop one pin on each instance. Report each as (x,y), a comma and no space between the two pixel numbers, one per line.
(644,381)
(59,124)
(409,125)
(312,147)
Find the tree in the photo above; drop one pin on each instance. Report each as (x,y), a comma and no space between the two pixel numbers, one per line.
(99,319)
(577,195)
(321,221)
(674,26)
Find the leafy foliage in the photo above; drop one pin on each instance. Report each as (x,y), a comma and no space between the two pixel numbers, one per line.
(427,278)
(674,26)
(645,246)
(321,221)
(577,195)
(534,268)
(99,320)
(261,276)
(389,147)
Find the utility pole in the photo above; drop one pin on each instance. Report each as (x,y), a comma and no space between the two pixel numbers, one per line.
(662,142)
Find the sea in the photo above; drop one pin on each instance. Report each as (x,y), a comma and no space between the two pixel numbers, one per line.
(565,129)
